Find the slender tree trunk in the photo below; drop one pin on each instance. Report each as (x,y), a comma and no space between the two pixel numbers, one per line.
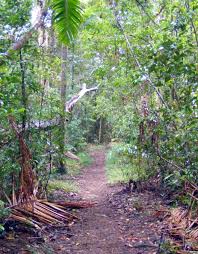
(72,67)
(100,131)
(62,141)
(23,92)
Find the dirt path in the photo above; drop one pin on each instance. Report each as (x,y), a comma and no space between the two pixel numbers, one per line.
(113,225)
(93,183)
(120,223)
(98,232)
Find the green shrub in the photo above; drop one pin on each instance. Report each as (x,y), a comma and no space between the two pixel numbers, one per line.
(124,164)
(4,213)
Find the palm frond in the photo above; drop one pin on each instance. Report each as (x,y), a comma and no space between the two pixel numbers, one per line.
(67,17)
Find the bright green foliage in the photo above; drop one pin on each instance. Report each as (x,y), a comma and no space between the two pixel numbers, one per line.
(145,55)
(15,13)
(67,17)
(4,212)
(124,163)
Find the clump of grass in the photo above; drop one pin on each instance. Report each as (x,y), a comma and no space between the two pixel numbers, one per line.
(167,248)
(73,167)
(67,186)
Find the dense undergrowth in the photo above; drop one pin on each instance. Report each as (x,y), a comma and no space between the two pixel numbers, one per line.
(125,165)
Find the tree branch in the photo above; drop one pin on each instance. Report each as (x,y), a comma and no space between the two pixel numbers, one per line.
(140,4)
(48,124)
(23,40)
(71,103)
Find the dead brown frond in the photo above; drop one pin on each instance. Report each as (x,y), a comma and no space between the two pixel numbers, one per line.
(38,213)
(183,223)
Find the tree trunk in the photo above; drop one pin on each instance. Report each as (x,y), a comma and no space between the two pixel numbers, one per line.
(72,67)
(100,131)
(23,92)
(62,137)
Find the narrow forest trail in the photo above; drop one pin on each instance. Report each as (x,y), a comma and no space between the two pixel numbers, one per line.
(98,232)
(107,228)
(93,183)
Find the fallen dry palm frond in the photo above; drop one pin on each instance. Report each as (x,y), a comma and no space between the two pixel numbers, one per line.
(183,223)
(25,206)
(38,213)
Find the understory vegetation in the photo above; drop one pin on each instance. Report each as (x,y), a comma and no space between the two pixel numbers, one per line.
(129,78)
(61,181)
(123,165)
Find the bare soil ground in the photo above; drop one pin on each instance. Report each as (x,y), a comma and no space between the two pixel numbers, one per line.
(120,222)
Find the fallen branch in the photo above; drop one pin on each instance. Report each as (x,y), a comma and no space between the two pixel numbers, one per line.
(71,156)
(71,103)
(44,124)
(75,205)
(51,123)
